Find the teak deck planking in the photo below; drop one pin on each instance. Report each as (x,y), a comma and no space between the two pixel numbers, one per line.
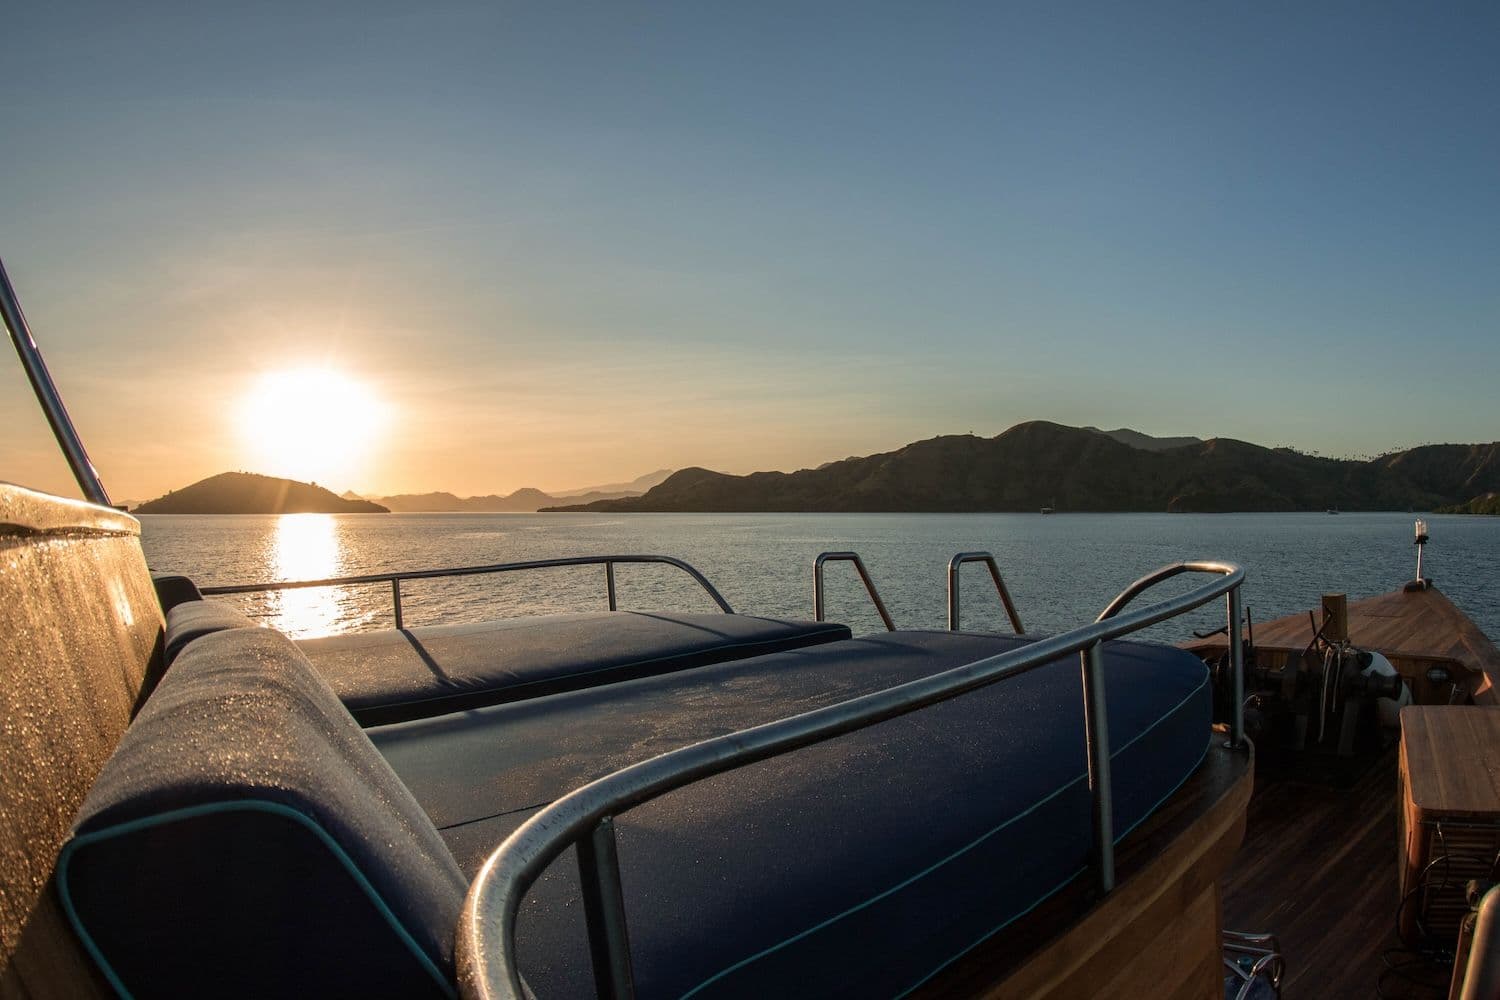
(1318,869)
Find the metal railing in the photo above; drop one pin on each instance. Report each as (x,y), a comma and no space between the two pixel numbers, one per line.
(1236,650)
(395,579)
(864,574)
(487,963)
(955,564)
(47,394)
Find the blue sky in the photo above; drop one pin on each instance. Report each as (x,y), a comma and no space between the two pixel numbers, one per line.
(572,243)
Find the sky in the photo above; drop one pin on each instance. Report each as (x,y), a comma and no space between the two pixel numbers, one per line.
(565,244)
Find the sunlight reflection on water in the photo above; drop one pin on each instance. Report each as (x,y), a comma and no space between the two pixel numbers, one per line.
(306,548)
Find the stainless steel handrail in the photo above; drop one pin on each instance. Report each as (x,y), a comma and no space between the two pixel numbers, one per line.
(1236,650)
(486,936)
(47,394)
(953,580)
(864,574)
(394,579)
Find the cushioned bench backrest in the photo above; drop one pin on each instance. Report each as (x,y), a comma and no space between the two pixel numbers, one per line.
(80,646)
(246,839)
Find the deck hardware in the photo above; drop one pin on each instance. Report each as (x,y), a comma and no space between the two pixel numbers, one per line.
(395,579)
(486,935)
(604,912)
(953,581)
(864,575)
(47,394)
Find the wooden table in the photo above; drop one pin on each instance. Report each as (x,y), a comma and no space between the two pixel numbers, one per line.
(1450,804)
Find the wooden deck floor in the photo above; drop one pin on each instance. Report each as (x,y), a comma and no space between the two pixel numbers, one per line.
(1318,869)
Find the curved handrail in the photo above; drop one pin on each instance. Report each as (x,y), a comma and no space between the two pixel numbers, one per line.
(395,578)
(864,574)
(487,967)
(1232,636)
(953,580)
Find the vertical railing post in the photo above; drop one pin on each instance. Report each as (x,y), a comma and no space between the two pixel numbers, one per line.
(604,912)
(1096,730)
(396,598)
(818,589)
(609,585)
(1237,668)
(953,598)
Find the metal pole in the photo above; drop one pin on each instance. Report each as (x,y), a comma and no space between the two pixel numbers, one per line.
(609,583)
(1010,606)
(1096,732)
(396,598)
(1237,668)
(818,589)
(604,912)
(47,394)
(953,596)
(864,574)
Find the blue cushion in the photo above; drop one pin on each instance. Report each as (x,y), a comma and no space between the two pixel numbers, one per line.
(858,867)
(391,676)
(246,839)
(191,620)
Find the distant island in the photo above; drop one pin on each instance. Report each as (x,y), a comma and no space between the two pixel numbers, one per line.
(526,500)
(248,493)
(1040,464)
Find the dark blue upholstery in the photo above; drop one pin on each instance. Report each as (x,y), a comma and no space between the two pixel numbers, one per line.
(246,839)
(858,867)
(191,620)
(392,676)
(173,589)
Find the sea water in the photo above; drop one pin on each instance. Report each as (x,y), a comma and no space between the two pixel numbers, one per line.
(1061,569)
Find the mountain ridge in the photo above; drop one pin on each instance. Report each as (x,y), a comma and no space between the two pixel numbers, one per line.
(1040,463)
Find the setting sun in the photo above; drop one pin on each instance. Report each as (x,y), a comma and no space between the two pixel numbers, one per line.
(309,424)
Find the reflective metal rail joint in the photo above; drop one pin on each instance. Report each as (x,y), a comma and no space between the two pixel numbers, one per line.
(487,962)
(954,566)
(394,579)
(864,575)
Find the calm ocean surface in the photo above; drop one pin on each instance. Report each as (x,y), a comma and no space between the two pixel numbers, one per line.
(1061,569)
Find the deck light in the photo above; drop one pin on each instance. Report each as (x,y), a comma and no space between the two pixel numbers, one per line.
(1421,582)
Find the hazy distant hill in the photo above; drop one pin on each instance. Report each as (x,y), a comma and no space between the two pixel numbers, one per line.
(1146,442)
(522,501)
(526,500)
(247,493)
(635,487)
(1040,464)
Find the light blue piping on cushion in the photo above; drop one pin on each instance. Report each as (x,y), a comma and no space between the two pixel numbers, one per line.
(238,805)
(728,970)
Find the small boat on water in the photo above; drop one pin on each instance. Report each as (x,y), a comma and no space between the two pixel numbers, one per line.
(648,803)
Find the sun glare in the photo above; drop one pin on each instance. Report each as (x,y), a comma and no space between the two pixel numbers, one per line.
(311,424)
